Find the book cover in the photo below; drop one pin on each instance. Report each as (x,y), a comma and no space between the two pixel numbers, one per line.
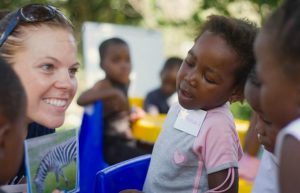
(52,162)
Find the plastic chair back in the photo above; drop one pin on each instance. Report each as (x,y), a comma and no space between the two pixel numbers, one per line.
(128,174)
(91,147)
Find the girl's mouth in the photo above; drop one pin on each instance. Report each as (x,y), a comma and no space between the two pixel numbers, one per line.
(185,94)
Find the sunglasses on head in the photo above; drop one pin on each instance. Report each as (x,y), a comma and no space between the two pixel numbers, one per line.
(29,13)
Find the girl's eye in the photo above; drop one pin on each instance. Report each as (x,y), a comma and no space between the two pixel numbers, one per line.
(47,67)
(73,71)
(189,63)
(209,79)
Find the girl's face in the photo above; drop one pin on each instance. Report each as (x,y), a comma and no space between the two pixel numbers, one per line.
(47,66)
(279,95)
(117,64)
(262,126)
(207,75)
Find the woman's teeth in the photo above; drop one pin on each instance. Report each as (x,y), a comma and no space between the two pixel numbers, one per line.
(56,102)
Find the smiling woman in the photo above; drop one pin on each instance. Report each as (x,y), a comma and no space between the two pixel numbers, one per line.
(38,41)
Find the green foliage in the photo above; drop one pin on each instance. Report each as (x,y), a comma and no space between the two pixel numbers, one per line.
(108,11)
(241,111)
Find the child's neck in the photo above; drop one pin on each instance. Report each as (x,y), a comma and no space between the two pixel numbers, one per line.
(122,87)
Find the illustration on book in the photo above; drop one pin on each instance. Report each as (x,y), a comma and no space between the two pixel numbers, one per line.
(51,162)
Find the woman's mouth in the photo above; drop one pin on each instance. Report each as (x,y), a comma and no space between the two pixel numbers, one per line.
(56,102)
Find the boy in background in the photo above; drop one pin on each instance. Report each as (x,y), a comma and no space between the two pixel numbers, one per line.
(159,100)
(115,61)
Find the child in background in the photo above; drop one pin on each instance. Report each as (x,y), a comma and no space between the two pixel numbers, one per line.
(198,148)
(278,68)
(160,99)
(119,144)
(12,122)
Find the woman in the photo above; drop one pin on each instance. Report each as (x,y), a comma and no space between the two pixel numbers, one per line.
(38,41)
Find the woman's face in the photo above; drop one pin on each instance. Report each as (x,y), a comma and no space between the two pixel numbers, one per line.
(46,66)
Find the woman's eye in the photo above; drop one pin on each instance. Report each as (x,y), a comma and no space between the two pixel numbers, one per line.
(47,67)
(73,71)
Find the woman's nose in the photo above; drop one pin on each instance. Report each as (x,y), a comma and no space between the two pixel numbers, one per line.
(65,81)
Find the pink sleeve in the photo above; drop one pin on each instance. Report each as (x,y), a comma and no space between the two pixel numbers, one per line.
(220,144)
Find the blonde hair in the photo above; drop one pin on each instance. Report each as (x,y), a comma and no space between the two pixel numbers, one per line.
(15,41)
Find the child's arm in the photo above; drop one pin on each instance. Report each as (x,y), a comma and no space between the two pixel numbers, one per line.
(92,95)
(289,171)
(101,91)
(218,178)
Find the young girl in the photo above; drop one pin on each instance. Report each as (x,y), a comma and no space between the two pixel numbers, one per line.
(278,67)
(198,149)
(112,91)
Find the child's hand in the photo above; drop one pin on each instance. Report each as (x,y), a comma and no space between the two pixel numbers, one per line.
(136,113)
(130,191)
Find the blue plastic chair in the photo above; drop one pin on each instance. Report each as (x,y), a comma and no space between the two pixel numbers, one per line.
(128,174)
(91,147)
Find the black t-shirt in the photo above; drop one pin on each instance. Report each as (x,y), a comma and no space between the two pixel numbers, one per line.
(157,99)
(34,130)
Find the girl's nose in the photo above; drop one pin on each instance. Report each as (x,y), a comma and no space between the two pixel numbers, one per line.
(191,78)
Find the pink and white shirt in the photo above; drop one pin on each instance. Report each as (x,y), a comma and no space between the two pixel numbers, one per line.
(181,161)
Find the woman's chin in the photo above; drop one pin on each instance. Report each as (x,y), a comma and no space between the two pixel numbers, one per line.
(52,123)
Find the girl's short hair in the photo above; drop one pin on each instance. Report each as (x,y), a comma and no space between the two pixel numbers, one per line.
(106,43)
(240,35)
